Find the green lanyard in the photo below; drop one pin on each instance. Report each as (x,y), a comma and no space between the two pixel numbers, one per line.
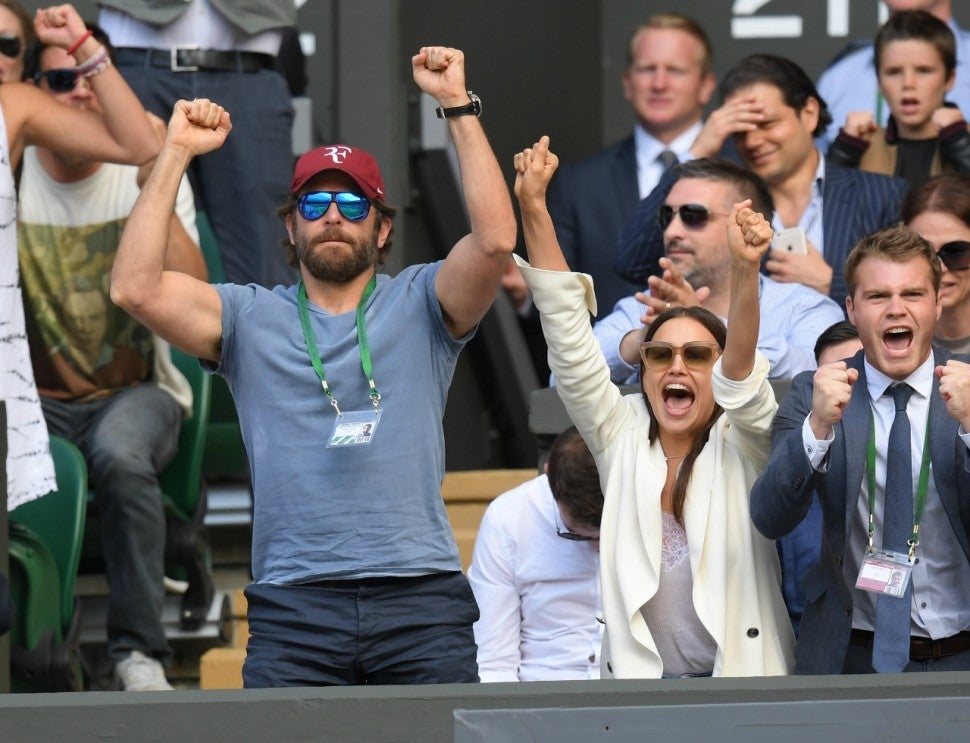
(924,478)
(880,102)
(310,338)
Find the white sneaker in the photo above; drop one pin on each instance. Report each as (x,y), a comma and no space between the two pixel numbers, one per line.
(138,672)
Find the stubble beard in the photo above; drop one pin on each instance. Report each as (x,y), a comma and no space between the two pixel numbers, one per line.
(336,266)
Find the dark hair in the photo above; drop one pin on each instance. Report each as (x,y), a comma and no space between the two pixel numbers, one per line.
(833,335)
(36,50)
(796,87)
(906,25)
(383,212)
(746,184)
(948,193)
(574,479)
(675,22)
(898,244)
(715,327)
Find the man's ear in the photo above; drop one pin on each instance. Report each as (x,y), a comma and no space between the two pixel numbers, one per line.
(708,86)
(810,113)
(385,230)
(289,227)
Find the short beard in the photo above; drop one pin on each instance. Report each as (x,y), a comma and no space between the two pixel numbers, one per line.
(326,265)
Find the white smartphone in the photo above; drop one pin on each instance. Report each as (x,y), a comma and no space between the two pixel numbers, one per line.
(793,240)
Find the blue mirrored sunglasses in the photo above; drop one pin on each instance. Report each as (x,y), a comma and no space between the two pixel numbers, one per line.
(351,206)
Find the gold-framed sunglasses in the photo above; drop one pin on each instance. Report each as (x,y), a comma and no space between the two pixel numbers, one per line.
(697,355)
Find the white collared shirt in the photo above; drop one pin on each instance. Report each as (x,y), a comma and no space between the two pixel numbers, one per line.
(539,594)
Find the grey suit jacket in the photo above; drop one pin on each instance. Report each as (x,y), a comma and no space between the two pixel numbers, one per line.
(783,493)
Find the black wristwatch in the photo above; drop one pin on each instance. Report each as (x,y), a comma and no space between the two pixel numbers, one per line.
(473,108)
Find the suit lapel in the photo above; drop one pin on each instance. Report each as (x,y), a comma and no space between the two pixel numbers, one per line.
(946,461)
(839,207)
(855,433)
(626,185)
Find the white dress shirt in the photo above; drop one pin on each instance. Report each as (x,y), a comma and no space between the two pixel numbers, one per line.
(538,594)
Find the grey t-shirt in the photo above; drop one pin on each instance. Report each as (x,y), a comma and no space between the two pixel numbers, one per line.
(348,512)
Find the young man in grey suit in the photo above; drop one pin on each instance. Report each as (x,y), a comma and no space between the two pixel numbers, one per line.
(772,111)
(883,439)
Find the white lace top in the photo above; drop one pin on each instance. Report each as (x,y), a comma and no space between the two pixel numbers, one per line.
(685,646)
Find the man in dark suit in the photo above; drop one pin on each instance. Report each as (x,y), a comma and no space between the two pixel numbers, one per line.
(772,111)
(834,434)
(668,81)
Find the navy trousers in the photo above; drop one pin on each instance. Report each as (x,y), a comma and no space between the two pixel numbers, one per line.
(374,631)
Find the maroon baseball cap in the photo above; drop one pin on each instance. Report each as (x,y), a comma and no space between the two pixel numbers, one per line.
(358,164)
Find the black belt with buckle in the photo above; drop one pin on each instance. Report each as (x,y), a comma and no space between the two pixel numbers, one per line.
(922,648)
(193,59)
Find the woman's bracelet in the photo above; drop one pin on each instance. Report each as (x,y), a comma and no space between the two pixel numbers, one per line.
(95,64)
(77,44)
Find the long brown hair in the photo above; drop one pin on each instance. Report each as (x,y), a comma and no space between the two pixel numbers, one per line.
(715,327)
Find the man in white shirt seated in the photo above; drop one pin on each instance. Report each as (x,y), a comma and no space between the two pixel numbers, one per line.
(535,573)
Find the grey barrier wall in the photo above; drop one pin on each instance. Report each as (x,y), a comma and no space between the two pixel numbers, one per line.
(894,707)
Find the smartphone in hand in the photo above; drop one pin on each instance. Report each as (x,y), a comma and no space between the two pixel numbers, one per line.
(792,240)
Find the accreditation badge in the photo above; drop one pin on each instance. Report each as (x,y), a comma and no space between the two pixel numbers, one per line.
(354,428)
(885,572)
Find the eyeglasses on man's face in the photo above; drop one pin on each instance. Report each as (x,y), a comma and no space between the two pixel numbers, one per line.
(315,204)
(572,536)
(694,216)
(60,80)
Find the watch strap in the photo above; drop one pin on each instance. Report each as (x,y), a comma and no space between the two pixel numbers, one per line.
(472,108)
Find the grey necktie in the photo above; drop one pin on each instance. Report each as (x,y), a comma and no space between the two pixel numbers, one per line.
(667,159)
(890,645)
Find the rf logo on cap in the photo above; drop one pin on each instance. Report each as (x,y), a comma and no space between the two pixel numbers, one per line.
(337,153)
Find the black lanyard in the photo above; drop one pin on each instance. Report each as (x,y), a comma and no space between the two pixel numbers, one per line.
(310,338)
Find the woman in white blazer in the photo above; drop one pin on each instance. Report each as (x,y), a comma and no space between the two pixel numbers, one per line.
(689,586)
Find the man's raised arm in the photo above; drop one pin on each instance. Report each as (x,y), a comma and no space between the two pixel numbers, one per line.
(471,273)
(179,308)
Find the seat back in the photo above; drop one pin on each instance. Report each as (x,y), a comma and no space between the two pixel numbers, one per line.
(210,249)
(56,521)
(181,480)
(467,494)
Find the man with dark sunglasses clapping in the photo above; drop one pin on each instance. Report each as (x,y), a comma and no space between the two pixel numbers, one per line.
(340,382)
(696,270)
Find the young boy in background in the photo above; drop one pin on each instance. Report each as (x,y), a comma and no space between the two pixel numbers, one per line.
(915,62)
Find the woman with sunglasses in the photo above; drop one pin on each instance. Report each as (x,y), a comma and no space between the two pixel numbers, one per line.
(28,116)
(939,211)
(16,34)
(689,587)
